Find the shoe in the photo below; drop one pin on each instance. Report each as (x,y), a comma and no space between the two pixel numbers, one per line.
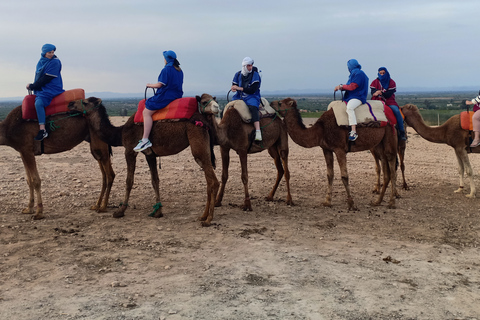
(142,145)
(352,136)
(258,136)
(475,144)
(42,134)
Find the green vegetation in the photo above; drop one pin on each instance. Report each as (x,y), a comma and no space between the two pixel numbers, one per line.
(435,107)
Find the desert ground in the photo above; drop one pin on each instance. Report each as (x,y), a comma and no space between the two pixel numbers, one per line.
(418,261)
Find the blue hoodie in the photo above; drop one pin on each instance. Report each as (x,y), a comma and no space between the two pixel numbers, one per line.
(360,78)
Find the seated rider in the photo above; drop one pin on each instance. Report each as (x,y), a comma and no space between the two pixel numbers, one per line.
(355,95)
(246,85)
(475,120)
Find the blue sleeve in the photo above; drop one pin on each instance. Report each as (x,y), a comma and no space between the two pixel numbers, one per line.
(53,68)
(164,76)
(235,80)
(256,78)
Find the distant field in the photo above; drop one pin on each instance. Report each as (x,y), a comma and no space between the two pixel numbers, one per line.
(435,108)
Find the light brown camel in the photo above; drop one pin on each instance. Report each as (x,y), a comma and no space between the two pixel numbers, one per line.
(450,133)
(70,131)
(233,133)
(402,145)
(168,138)
(334,139)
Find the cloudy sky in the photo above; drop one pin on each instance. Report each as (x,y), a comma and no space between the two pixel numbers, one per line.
(116,46)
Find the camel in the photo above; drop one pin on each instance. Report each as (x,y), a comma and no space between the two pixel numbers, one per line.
(402,145)
(168,138)
(233,133)
(333,139)
(450,133)
(71,130)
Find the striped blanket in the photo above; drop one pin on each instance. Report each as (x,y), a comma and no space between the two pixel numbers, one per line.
(182,108)
(373,110)
(59,104)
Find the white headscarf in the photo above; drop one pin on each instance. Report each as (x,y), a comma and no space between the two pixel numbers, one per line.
(246,61)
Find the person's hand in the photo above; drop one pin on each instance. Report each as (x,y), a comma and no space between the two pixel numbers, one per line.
(28,86)
(377,93)
(234,88)
(468,102)
(339,87)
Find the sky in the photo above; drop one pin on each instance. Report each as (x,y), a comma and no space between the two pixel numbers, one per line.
(301,45)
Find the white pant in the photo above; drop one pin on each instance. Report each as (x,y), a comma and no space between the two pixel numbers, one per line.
(351,106)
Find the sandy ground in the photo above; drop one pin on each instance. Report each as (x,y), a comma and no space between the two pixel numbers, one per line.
(419,261)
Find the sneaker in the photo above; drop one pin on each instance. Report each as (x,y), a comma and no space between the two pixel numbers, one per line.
(403,136)
(475,144)
(142,145)
(352,136)
(42,134)
(258,136)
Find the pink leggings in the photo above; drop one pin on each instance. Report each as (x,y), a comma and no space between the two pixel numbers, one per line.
(476,121)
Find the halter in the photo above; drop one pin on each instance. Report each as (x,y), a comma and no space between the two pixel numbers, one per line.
(202,108)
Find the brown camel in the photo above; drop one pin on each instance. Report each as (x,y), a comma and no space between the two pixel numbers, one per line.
(450,133)
(334,139)
(233,133)
(168,138)
(71,130)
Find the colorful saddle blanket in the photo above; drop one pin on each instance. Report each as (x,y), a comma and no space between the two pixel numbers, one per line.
(466,120)
(182,108)
(265,109)
(373,110)
(59,104)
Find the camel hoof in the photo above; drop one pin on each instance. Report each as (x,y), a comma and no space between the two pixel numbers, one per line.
(392,206)
(459,190)
(218,204)
(38,217)
(27,211)
(158,215)
(327,204)
(118,214)
(290,203)
(268,198)
(471,196)
(206,224)
(247,208)
(94,207)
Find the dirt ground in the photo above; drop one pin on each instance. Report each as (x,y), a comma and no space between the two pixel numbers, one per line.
(418,261)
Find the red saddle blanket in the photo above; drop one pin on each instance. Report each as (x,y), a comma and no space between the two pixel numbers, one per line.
(466,120)
(59,104)
(182,108)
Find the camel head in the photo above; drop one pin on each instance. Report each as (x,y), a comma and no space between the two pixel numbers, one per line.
(207,104)
(284,105)
(85,105)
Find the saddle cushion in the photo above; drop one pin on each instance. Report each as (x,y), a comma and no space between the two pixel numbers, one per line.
(466,120)
(59,104)
(182,108)
(265,109)
(373,110)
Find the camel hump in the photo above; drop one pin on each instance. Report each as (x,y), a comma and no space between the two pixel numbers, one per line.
(371,111)
(59,104)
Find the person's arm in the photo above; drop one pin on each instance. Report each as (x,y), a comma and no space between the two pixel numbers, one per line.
(349,87)
(157,85)
(41,82)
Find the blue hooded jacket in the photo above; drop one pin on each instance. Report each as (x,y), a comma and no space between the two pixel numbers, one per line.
(360,78)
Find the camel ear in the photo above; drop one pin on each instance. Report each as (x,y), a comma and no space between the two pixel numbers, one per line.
(198,98)
(290,103)
(94,100)
(215,99)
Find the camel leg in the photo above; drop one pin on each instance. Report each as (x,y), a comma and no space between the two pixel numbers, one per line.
(34,185)
(328,155)
(278,163)
(378,169)
(131,159)
(464,165)
(401,155)
(203,158)
(225,153)
(247,205)
(342,162)
(284,157)
(392,176)
(152,165)
(101,153)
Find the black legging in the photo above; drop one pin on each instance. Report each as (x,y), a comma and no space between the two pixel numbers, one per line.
(254,112)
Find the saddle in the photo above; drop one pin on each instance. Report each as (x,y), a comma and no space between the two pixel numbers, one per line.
(466,120)
(178,109)
(265,110)
(59,104)
(374,112)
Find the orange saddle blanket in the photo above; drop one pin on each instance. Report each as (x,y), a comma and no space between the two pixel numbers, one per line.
(182,108)
(59,104)
(466,120)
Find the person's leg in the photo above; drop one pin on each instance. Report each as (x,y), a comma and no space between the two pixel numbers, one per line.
(40,108)
(352,119)
(476,129)
(256,122)
(398,116)
(147,127)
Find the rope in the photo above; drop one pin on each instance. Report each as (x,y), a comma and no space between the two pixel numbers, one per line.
(156,207)
(51,124)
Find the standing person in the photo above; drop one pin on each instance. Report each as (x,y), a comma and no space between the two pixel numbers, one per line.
(47,85)
(246,85)
(169,88)
(384,88)
(475,120)
(355,95)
